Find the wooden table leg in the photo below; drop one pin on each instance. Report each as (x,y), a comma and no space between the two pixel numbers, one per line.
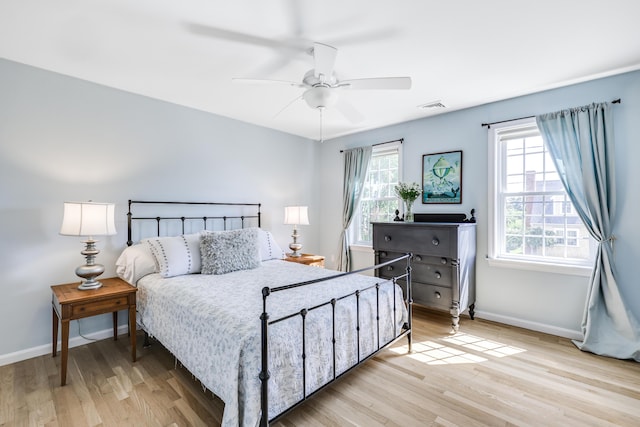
(55,321)
(115,326)
(132,330)
(65,352)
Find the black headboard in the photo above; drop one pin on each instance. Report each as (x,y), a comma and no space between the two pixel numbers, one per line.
(201,215)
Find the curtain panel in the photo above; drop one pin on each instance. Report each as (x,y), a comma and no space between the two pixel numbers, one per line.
(356,165)
(581,144)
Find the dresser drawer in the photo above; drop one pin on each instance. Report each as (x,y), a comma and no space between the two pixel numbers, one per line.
(429,241)
(418,258)
(392,270)
(435,270)
(97,307)
(431,295)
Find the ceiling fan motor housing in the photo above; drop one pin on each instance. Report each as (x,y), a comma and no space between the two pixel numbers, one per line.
(312,79)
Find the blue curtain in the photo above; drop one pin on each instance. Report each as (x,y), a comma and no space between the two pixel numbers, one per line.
(581,144)
(356,164)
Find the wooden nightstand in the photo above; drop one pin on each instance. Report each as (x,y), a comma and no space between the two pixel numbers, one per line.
(70,303)
(307,259)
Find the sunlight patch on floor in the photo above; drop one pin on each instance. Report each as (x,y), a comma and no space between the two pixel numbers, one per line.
(456,349)
(488,347)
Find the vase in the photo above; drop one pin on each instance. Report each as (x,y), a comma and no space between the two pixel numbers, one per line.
(408,211)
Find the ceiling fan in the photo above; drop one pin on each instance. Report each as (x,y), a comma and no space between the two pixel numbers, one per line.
(322,87)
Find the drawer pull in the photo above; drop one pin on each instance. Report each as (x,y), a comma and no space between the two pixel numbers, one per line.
(390,268)
(438,275)
(383,254)
(435,242)
(438,296)
(387,238)
(418,258)
(443,261)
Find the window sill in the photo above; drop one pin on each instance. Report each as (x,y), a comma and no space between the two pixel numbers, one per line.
(361,248)
(571,270)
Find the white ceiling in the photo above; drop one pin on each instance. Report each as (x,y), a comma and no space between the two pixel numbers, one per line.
(458,52)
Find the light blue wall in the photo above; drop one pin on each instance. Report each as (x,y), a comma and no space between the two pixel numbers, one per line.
(63,139)
(539,300)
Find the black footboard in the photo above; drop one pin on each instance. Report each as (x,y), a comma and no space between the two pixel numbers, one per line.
(398,334)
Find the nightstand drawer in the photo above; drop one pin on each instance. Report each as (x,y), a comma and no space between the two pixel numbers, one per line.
(98,307)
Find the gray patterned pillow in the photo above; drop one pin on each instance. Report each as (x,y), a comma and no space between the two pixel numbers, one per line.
(227,251)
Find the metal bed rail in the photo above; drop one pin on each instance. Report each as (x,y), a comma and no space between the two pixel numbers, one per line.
(265,322)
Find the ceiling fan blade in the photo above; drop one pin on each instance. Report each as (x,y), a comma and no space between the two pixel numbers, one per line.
(246,38)
(363,37)
(387,83)
(325,58)
(347,110)
(267,81)
(290,103)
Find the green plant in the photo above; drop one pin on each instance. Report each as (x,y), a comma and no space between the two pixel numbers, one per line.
(408,192)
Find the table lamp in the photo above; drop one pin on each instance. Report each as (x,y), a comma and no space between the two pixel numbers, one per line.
(296,215)
(88,219)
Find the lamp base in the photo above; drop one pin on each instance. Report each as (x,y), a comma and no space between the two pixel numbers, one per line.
(295,246)
(88,285)
(89,272)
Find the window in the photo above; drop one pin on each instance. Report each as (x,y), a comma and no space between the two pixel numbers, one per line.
(378,202)
(534,220)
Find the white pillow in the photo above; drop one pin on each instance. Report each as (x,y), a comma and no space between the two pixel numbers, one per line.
(269,249)
(177,255)
(227,251)
(135,262)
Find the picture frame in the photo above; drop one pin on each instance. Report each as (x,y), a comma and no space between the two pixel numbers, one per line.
(442,178)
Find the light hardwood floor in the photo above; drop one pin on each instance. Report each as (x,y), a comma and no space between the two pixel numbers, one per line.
(487,375)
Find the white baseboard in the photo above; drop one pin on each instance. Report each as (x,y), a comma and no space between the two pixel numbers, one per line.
(18,356)
(534,326)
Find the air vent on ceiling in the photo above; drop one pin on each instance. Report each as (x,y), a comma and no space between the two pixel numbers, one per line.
(433,104)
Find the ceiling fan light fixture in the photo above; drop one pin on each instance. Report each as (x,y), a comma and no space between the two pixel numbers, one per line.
(320,97)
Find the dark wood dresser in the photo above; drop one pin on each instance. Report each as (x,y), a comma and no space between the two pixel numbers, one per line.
(444,256)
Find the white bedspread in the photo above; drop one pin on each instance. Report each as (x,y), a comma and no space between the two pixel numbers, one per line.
(211,324)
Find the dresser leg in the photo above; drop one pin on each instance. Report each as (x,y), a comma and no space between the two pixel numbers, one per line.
(455,317)
(472,310)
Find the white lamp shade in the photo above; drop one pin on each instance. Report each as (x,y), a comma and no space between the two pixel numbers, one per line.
(88,219)
(296,215)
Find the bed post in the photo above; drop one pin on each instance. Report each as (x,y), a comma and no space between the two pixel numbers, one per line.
(259,217)
(129,241)
(409,300)
(264,373)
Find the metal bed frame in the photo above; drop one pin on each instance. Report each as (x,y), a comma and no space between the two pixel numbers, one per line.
(264,374)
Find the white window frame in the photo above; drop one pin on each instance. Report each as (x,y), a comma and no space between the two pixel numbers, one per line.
(496,213)
(377,149)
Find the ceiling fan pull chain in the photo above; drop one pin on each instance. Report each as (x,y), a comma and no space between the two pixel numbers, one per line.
(321,110)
